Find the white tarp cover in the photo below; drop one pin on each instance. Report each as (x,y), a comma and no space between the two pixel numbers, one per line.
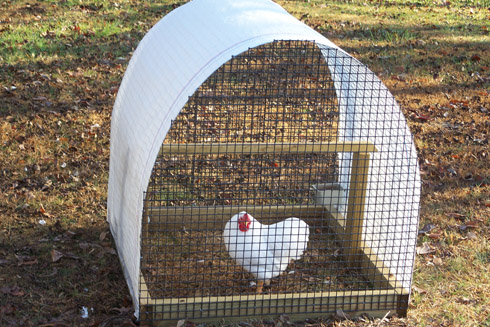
(181,51)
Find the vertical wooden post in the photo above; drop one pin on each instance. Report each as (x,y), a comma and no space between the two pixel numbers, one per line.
(145,233)
(355,208)
(146,307)
(146,316)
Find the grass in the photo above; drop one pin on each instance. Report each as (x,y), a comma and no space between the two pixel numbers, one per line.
(61,64)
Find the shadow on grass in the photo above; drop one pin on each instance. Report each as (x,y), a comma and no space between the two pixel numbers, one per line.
(74,70)
(50,273)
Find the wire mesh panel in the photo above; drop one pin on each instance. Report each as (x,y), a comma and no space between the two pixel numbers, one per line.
(247,212)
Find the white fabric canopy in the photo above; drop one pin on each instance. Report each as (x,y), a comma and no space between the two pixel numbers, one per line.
(180,52)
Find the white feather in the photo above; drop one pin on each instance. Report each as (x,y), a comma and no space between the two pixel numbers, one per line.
(266,250)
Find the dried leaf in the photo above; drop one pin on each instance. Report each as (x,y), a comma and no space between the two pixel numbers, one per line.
(180,323)
(456,102)
(43,211)
(25,260)
(83,245)
(400,69)
(452,171)
(71,256)
(56,255)
(110,251)
(341,314)
(284,318)
(471,236)
(422,117)
(51,274)
(69,234)
(472,224)
(465,300)
(424,249)
(400,77)
(7,309)
(419,290)
(435,236)
(475,57)
(17,292)
(28,263)
(427,228)
(122,310)
(437,261)
(455,215)
(102,236)
(12,290)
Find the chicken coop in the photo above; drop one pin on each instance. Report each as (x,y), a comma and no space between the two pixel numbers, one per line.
(256,170)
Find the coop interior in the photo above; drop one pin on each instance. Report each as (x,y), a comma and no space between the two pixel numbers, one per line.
(261,136)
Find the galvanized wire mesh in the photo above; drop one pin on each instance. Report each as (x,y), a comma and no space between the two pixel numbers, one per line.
(234,147)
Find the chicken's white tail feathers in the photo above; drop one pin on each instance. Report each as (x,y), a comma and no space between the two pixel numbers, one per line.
(288,239)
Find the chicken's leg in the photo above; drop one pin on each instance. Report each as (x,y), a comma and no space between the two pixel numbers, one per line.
(260,285)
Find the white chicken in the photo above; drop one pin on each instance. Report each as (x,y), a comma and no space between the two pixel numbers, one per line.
(265,250)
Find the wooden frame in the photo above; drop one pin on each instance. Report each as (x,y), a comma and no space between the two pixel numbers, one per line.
(389,294)
(245,148)
(165,312)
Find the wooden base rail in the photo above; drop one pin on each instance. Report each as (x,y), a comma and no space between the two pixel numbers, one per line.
(249,148)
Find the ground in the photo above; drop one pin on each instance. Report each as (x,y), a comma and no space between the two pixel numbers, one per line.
(60,67)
